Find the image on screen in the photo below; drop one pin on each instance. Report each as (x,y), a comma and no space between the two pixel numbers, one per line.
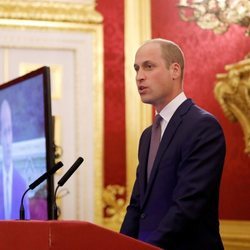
(25,145)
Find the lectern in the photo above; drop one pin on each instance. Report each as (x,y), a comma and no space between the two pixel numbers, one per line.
(64,235)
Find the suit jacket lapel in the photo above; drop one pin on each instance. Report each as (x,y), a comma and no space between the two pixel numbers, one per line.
(168,135)
(144,162)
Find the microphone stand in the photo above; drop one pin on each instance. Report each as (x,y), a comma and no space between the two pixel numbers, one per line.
(35,184)
(62,181)
(21,211)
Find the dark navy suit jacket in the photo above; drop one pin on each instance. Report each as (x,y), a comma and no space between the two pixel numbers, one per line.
(178,208)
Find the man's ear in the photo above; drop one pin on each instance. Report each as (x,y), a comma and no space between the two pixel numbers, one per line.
(175,69)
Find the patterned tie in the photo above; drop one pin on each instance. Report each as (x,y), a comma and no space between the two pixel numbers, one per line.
(154,143)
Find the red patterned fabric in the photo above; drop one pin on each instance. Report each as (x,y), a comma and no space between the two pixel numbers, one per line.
(206,55)
(114,92)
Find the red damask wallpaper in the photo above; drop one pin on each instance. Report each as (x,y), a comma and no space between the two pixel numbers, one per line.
(206,55)
(114,89)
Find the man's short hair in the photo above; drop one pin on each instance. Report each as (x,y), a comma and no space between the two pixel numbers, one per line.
(171,53)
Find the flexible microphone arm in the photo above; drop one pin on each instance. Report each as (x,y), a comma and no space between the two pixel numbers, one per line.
(35,184)
(62,181)
(21,210)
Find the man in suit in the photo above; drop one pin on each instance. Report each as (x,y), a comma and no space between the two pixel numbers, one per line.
(12,185)
(174,205)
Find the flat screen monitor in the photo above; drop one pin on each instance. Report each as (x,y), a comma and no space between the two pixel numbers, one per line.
(26,145)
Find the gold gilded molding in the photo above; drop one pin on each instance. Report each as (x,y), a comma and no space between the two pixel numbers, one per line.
(114,203)
(47,11)
(235,234)
(232,91)
(138,115)
(98,97)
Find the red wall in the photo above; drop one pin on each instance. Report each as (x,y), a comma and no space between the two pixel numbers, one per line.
(206,55)
(114,92)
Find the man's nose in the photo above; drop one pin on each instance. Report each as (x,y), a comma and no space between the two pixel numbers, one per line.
(140,75)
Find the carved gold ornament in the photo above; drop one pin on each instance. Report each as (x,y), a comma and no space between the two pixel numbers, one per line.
(20,13)
(114,206)
(216,15)
(233,94)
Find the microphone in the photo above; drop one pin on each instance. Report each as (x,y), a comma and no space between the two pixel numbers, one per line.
(45,175)
(65,177)
(34,184)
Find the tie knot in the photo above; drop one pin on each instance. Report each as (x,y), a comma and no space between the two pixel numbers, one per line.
(157,121)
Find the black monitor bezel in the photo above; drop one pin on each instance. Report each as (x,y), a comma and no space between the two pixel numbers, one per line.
(48,121)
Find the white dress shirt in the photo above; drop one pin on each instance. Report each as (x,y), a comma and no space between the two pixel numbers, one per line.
(168,111)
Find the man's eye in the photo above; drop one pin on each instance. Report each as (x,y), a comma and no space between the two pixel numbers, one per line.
(149,66)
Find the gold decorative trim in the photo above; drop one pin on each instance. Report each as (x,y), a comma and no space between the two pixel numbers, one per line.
(138,115)
(232,91)
(235,234)
(98,98)
(114,203)
(49,11)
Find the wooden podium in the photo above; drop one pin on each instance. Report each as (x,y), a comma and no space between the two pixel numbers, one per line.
(64,235)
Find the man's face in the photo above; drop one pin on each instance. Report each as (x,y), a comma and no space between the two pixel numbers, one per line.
(6,135)
(153,79)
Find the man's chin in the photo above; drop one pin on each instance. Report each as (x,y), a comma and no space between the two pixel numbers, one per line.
(146,100)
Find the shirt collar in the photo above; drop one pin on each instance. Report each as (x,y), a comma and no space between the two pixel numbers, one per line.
(168,111)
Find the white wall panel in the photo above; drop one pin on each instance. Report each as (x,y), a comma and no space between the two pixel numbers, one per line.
(73,53)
